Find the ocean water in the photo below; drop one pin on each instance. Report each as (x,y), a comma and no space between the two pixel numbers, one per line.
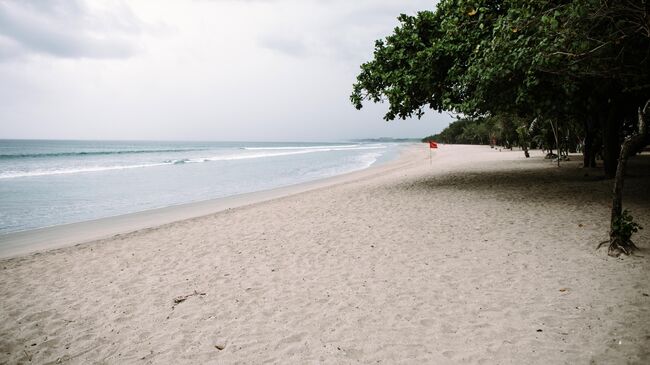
(46,183)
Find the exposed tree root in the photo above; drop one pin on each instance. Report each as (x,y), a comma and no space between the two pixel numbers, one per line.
(618,246)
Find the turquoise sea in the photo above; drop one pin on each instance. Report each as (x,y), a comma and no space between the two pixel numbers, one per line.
(52,182)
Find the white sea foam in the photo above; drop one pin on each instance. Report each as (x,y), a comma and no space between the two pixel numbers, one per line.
(357,163)
(226,157)
(368,159)
(288,153)
(15,174)
(300,147)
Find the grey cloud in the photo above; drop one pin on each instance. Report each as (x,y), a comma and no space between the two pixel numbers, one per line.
(347,33)
(9,48)
(293,46)
(68,29)
(199,85)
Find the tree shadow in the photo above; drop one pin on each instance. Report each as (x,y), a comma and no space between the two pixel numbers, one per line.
(533,180)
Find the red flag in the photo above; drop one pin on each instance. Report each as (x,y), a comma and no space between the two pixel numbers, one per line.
(433,144)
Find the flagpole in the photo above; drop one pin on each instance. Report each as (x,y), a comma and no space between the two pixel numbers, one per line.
(432,145)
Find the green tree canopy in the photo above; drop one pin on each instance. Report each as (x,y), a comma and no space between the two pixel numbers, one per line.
(582,62)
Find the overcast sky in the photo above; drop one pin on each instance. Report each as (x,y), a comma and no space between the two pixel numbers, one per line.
(204,70)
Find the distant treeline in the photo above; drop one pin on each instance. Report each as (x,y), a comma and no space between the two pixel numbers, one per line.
(509,132)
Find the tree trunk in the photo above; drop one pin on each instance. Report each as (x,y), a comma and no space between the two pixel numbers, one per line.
(557,142)
(589,153)
(611,143)
(617,244)
(619,179)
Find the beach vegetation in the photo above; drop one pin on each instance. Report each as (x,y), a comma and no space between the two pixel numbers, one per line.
(622,228)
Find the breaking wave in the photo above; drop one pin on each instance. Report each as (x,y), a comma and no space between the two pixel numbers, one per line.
(278,151)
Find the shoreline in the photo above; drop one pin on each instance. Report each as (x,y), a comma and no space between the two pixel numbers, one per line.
(16,244)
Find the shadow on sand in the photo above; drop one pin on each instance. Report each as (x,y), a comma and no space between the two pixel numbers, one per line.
(535,179)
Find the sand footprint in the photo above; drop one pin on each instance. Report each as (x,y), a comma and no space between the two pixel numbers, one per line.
(291,339)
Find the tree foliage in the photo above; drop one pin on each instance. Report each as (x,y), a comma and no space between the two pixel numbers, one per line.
(567,75)
(582,66)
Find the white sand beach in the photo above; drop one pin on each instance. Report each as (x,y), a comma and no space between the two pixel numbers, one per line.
(480,257)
